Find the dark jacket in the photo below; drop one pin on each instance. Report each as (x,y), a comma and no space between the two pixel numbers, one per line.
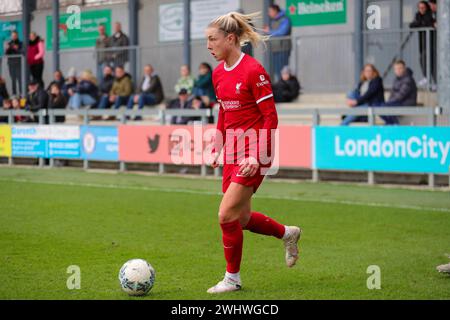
(176,104)
(423,21)
(58,102)
(3,91)
(37,101)
(404,90)
(10,50)
(286,91)
(119,57)
(68,85)
(106,85)
(87,87)
(60,83)
(374,95)
(205,85)
(155,88)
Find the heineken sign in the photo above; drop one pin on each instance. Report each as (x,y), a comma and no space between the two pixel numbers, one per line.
(316,12)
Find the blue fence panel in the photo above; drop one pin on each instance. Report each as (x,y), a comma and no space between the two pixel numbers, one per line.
(99,143)
(387,149)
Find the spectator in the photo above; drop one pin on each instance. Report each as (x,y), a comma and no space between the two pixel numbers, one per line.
(186,81)
(102,43)
(15,102)
(288,88)
(37,100)
(433,6)
(248,47)
(121,90)
(182,102)
(85,93)
(57,101)
(119,39)
(424,19)
(280,26)
(203,86)
(7,105)
(3,91)
(370,92)
(70,84)
(404,90)
(58,78)
(107,80)
(35,58)
(14,47)
(150,90)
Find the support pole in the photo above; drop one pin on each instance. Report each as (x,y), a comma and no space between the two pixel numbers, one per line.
(443,34)
(358,40)
(133,20)
(55,40)
(27,8)
(187,33)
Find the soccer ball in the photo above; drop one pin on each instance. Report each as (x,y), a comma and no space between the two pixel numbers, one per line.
(136,277)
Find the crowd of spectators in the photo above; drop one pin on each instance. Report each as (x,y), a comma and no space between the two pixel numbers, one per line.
(111,86)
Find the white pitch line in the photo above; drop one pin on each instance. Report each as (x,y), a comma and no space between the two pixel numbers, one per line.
(210,193)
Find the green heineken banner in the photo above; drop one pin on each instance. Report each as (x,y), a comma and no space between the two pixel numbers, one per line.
(316,12)
(82,35)
(6,27)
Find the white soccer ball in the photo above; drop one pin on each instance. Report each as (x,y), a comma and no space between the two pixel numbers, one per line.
(136,277)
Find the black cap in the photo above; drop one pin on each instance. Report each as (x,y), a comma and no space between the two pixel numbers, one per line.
(183,91)
(33,82)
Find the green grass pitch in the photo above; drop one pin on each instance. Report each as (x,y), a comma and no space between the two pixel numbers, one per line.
(54,218)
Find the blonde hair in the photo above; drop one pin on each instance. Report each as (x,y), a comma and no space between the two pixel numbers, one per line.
(241,25)
(87,75)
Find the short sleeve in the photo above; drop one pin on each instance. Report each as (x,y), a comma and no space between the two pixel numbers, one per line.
(260,84)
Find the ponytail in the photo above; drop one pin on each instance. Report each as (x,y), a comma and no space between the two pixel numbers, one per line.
(241,25)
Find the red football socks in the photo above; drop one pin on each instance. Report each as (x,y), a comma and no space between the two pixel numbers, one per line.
(262,224)
(232,237)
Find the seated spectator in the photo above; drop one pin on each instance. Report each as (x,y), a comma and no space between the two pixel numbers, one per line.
(182,102)
(37,100)
(203,85)
(288,88)
(58,78)
(186,81)
(15,102)
(3,91)
(57,101)
(150,90)
(7,105)
(85,93)
(70,83)
(370,92)
(404,90)
(121,90)
(107,81)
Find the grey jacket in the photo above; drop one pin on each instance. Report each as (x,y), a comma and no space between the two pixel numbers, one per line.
(404,90)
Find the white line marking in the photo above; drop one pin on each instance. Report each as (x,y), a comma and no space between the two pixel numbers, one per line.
(209,193)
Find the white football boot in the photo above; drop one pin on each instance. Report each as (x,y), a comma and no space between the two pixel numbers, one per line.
(291,239)
(226,285)
(445,268)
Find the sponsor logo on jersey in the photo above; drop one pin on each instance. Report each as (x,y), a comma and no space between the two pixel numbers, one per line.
(263,82)
(231,104)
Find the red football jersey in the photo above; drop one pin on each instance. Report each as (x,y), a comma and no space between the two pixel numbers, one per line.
(244,92)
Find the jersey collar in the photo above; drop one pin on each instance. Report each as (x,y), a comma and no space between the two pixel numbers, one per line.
(235,65)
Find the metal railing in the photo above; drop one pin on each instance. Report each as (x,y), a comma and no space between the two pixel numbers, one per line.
(431,114)
(417,47)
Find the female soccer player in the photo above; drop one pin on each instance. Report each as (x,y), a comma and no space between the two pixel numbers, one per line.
(244,92)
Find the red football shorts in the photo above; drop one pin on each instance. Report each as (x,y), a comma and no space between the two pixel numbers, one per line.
(230,174)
